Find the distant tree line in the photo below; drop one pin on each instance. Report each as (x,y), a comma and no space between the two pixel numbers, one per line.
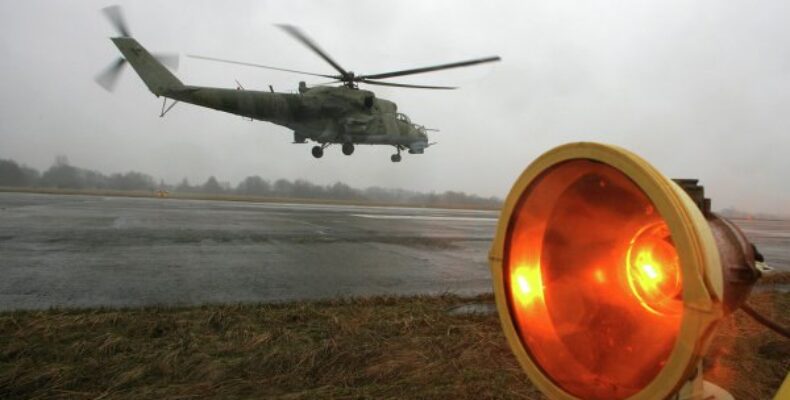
(62,175)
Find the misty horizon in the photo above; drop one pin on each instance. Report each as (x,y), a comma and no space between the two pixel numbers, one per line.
(63,175)
(267,186)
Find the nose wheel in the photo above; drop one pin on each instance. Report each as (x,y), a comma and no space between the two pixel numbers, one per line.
(318,151)
(348,149)
(396,157)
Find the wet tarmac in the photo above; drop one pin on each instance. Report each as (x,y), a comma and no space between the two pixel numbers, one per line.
(84,251)
(88,251)
(772,238)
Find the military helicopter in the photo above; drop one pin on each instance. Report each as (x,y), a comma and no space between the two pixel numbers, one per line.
(345,115)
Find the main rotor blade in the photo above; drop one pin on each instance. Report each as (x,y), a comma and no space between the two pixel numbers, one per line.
(404,85)
(300,36)
(115,15)
(170,60)
(109,77)
(325,83)
(433,68)
(260,66)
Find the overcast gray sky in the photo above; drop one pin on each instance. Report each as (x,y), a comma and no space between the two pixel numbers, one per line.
(699,88)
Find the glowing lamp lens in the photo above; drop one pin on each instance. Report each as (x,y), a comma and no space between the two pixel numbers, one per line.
(653,270)
(528,288)
(593,280)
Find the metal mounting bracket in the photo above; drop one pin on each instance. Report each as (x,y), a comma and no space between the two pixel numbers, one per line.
(164,104)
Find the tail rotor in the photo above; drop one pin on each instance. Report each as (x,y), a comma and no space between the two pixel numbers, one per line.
(108,78)
(114,14)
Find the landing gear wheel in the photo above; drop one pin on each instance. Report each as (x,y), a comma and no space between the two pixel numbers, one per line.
(348,149)
(395,158)
(318,151)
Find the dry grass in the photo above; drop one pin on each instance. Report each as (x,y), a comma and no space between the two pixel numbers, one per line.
(379,348)
(358,348)
(775,278)
(745,357)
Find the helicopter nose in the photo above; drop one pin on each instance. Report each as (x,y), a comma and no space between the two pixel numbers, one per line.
(418,147)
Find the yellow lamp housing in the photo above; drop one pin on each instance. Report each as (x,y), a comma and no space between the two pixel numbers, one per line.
(610,278)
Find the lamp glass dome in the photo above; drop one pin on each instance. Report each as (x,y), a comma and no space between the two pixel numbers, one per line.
(593,280)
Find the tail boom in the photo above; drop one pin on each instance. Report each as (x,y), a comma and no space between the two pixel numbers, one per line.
(155,75)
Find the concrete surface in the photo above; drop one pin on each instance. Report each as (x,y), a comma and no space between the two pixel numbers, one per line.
(84,251)
(80,251)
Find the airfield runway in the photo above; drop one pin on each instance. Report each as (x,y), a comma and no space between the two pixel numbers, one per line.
(79,251)
(86,251)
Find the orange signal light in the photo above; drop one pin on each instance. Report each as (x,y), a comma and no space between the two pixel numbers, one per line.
(608,276)
(653,270)
(528,287)
(595,341)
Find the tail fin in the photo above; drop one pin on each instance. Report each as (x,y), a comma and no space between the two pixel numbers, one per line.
(158,78)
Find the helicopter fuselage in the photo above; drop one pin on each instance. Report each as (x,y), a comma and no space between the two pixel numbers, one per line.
(343,115)
(323,114)
(327,115)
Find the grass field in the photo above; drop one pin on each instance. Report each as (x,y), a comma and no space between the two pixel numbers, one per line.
(355,348)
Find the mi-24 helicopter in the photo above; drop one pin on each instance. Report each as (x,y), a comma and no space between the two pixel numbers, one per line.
(344,114)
